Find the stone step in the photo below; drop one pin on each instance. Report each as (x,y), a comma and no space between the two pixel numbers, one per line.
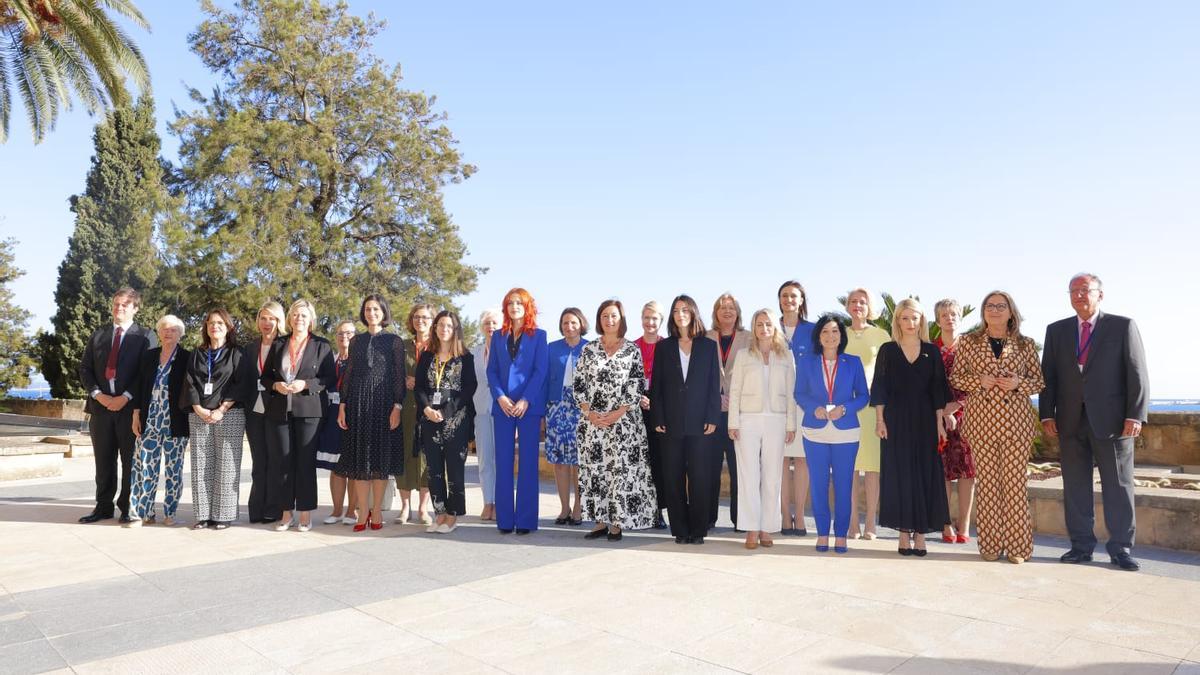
(24,457)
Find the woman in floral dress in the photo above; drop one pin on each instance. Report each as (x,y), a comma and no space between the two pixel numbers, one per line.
(957,458)
(614,458)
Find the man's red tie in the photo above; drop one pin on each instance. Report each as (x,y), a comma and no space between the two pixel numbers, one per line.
(1085,342)
(110,370)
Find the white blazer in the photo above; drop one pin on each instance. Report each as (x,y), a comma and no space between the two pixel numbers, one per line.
(746,386)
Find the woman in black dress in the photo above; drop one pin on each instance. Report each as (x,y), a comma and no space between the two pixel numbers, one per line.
(372,393)
(446,384)
(909,391)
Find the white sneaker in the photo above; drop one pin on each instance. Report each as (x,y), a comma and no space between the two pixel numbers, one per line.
(347,520)
(304,527)
(283,526)
(446,528)
(332,520)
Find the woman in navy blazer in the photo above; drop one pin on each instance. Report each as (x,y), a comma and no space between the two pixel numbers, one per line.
(517,364)
(685,404)
(831,387)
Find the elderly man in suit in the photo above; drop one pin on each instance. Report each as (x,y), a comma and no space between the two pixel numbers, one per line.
(1095,402)
(109,375)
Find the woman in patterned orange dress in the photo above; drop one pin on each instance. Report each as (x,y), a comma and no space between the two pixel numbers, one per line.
(998,369)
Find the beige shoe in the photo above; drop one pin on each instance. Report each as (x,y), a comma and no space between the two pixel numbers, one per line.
(1015,559)
(990,557)
(426,519)
(168,521)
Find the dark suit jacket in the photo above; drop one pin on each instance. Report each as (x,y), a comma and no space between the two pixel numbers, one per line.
(316,368)
(1114,384)
(684,407)
(521,378)
(95,358)
(175,382)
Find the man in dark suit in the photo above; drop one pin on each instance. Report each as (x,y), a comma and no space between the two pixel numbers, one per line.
(1095,402)
(109,375)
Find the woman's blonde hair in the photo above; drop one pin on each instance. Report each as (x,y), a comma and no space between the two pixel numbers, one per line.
(306,306)
(907,304)
(778,345)
(871,313)
(656,308)
(276,310)
(737,306)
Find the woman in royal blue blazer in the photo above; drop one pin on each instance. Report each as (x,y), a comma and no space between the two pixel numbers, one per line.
(562,413)
(517,364)
(831,387)
(685,404)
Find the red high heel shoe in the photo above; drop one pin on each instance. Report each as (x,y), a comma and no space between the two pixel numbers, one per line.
(359,527)
(962,538)
(375,524)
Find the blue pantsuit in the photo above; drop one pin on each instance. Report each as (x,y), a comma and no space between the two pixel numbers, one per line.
(521,376)
(838,458)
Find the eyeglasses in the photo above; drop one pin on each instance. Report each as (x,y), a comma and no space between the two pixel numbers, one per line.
(1082,292)
(996,307)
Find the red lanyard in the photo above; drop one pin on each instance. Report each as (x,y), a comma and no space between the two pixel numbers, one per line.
(724,352)
(262,357)
(297,354)
(830,376)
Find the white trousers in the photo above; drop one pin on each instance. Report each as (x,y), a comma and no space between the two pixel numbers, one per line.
(485,452)
(759,451)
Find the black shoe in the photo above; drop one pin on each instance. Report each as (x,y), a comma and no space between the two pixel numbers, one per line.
(123,519)
(800,532)
(522,530)
(1125,562)
(596,534)
(904,551)
(614,536)
(505,530)
(683,540)
(561,520)
(1075,556)
(574,522)
(786,532)
(696,540)
(94,517)
(920,552)
(712,525)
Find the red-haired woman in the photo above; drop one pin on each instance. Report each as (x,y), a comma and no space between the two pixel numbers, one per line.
(517,365)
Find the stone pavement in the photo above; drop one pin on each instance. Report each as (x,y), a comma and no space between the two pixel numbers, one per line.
(99,599)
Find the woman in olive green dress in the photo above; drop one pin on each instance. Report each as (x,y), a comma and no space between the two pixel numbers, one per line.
(415,477)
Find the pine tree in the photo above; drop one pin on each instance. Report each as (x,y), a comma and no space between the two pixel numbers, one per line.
(112,245)
(310,172)
(16,348)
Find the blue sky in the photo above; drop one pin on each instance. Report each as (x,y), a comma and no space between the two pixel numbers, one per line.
(639,150)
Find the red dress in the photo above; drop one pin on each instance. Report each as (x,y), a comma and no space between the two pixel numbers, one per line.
(957,458)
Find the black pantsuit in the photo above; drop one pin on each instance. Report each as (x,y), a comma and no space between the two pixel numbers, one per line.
(688,465)
(112,438)
(293,448)
(265,481)
(682,404)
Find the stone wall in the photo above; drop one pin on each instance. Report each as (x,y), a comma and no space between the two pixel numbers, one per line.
(56,408)
(1168,439)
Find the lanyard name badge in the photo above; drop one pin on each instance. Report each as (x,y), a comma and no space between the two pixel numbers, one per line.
(296,353)
(437,395)
(262,362)
(335,396)
(830,376)
(208,386)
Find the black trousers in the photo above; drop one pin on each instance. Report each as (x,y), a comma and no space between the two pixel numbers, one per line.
(264,473)
(654,440)
(1079,451)
(112,439)
(687,474)
(724,451)
(292,446)
(445,464)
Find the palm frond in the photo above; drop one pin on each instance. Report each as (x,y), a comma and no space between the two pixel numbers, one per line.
(5,97)
(32,89)
(77,71)
(129,11)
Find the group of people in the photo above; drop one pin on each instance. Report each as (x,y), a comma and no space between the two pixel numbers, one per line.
(632,428)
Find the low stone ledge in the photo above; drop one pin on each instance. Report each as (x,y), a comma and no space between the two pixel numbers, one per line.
(1165,517)
(22,458)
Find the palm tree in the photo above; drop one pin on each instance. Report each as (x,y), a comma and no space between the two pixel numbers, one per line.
(50,49)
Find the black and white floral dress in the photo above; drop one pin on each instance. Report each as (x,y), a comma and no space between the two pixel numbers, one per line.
(614,462)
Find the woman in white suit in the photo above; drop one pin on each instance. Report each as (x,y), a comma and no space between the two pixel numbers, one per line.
(762,419)
(485,439)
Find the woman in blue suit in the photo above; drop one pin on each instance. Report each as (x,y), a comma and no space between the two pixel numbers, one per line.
(517,364)
(831,387)
(562,414)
